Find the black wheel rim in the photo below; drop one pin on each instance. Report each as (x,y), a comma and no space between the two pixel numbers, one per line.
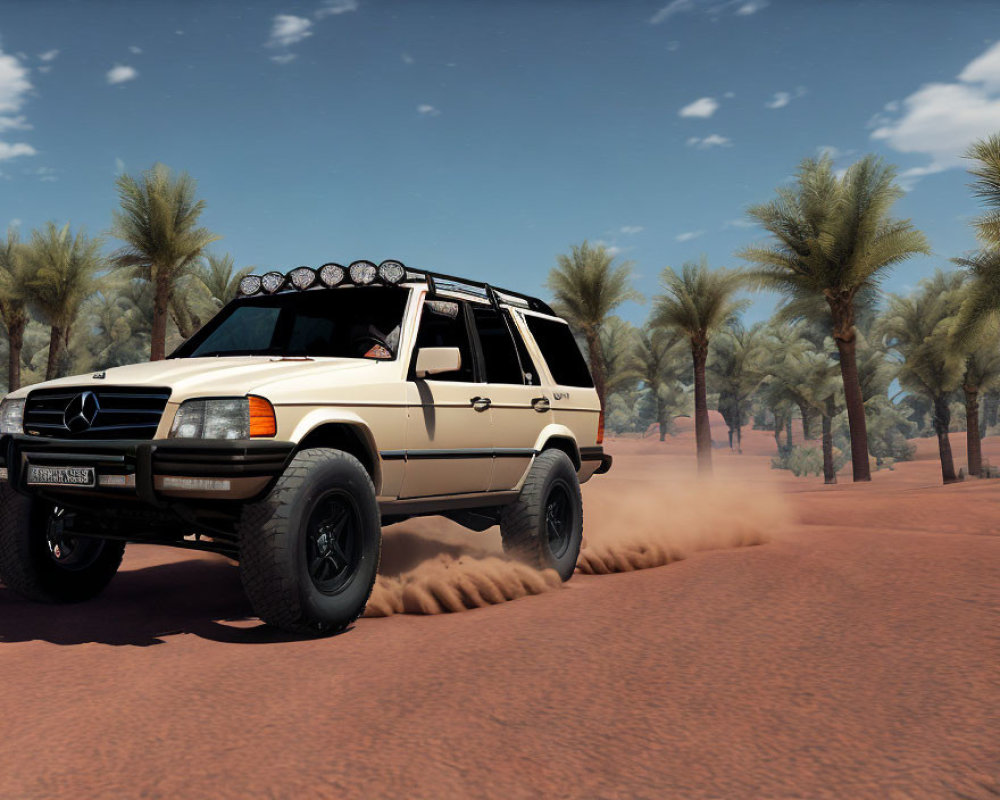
(69,551)
(333,542)
(559,519)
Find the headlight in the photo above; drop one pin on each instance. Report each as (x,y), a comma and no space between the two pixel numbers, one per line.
(224,418)
(12,416)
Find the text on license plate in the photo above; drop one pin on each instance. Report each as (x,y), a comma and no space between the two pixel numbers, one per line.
(60,476)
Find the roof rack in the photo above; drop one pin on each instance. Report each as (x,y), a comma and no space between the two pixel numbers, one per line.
(494,294)
(366,273)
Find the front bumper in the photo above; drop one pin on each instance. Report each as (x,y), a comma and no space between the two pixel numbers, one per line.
(152,471)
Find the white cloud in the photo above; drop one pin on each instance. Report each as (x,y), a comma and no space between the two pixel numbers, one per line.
(120,73)
(134,49)
(14,88)
(629,230)
(332,7)
(15,150)
(941,120)
(703,107)
(782,99)
(828,151)
(46,174)
(119,167)
(708,142)
(287,29)
(714,8)
(672,46)
(687,236)
(751,7)
(284,58)
(18,123)
(48,55)
(427,110)
(15,223)
(740,222)
(407,58)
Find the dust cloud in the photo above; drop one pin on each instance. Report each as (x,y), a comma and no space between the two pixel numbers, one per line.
(432,566)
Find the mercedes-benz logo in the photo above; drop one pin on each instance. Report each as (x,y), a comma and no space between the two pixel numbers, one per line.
(81,412)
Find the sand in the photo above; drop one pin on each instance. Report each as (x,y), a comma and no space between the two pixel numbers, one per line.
(852,654)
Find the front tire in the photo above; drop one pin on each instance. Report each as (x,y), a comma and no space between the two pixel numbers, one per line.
(544,526)
(41,562)
(309,551)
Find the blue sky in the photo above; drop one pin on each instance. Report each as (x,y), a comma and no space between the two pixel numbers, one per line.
(483,138)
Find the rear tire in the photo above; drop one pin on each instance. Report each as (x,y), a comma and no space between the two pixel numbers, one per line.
(309,551)
(41,563)
(544,526)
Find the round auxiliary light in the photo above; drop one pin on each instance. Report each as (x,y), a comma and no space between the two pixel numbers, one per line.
(363,273)
(391,272)
(250,285)
(272,281)
(331,274)
(302,277)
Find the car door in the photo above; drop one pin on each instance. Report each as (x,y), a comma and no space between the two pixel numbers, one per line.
(449,436)
(518,407)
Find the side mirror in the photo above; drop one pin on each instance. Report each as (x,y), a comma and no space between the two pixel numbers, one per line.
(435,360)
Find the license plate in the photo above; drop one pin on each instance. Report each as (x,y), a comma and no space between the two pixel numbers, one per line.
(60,476)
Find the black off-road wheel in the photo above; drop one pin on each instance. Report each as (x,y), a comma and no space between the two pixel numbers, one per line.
(544,526)
(309,551)
(42,561)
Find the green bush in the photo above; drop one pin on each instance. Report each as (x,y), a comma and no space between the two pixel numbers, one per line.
(801,460)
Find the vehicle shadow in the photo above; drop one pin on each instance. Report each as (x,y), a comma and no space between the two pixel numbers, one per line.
(143,606)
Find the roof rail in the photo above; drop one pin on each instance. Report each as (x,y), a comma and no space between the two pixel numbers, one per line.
(487,291)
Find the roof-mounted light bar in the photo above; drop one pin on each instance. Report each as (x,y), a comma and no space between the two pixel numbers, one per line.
(360,273)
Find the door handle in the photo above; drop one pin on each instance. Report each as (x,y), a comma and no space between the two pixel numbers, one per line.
(541,404)
(480,403)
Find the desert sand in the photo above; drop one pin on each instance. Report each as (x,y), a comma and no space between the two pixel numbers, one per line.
(802,641)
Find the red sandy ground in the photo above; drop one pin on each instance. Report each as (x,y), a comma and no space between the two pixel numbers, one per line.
(854,656)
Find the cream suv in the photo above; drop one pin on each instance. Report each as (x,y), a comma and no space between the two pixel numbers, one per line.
(312,410)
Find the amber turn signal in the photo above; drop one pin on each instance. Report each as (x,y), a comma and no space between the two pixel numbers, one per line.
(600,426)
(262,421)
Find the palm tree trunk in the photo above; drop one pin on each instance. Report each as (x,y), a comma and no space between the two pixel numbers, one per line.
(161,309)
(829,473)
(972,438)
(806,418)
(15,344)
(57,336)
(702,427)
(596,363)
(855,409)
(942,421)
(186,322)
(788,433)
(739,431)
(661,414)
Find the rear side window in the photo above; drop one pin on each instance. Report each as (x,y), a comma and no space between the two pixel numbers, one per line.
(499,353)
(555,340)
(442,324)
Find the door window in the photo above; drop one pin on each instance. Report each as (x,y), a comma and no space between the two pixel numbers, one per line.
(499,352)
(442,324)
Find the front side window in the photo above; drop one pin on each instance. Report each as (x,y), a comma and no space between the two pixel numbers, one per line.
(442,324)
(334,323)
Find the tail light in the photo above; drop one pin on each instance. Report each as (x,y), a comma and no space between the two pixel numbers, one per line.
(600,428)
(262,421)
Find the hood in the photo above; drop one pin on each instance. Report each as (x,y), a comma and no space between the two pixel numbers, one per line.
(231,375)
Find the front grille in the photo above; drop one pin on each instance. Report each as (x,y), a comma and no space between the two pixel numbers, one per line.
(120,412)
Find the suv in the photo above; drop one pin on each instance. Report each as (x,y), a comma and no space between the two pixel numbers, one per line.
(310,411)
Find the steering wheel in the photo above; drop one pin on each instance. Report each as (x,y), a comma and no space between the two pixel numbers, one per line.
(366,342)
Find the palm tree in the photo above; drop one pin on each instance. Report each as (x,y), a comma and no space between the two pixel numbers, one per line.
(697,303)
(987,188)
(158,223)
(981,347)
(834,238)
(654,360)
(61,273)
(617,343)
(588,286)
(919,330)
(13,311)
(217,275)
(735,367)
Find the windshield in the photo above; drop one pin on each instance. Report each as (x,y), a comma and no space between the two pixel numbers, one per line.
(337,323)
